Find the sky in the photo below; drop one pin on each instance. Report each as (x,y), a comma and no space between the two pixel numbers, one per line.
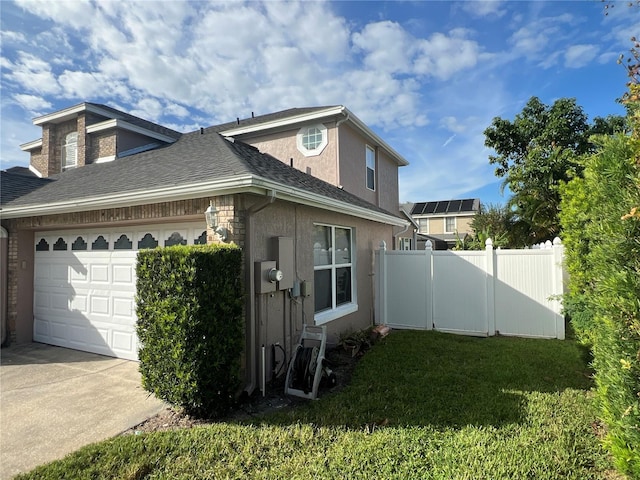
(427,76)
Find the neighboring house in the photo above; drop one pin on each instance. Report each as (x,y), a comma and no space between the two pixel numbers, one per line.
(444,221)
(103,184)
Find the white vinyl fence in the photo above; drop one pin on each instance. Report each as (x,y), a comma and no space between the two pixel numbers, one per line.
(484,293)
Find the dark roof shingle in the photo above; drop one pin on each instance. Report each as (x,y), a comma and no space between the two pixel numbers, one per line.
(194,158)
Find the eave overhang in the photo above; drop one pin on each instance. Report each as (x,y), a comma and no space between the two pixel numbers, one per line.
(246,184)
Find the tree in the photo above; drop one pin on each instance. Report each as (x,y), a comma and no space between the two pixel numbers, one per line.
(536,153)
(496,222)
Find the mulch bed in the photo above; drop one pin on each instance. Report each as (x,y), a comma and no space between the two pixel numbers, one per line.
(341,362)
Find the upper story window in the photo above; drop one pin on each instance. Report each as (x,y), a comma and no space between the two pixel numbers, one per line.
(423,225)
(312,139)
(371,168)
(450,224)
(334,272)
(70,151)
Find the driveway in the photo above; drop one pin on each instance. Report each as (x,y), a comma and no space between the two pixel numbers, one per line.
(54,400)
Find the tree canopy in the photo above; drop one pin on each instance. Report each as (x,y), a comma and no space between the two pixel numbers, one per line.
(538,151)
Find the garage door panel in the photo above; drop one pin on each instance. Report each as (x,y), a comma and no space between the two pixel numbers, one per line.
(79,303)
(123,308)
(124,341)
(99,273)
(41,329)
(59,301)
(99,305)
(123,274)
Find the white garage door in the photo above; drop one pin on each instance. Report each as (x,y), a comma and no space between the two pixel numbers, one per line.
(85,285)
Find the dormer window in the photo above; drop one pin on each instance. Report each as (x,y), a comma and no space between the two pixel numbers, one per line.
(70,151)
(312,139)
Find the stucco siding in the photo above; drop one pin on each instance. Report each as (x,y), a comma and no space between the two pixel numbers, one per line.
(387,173)
(280,317)
(282,145)
(353,164)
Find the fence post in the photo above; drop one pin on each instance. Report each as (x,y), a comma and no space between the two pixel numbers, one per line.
(428,297)
(382,282)
(558,285)
(490,288)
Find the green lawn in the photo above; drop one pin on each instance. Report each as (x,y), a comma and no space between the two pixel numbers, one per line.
(421,405)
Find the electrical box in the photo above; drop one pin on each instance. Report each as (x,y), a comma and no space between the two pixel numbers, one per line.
(282,249)
(295,290)
(265,275)
(305,288)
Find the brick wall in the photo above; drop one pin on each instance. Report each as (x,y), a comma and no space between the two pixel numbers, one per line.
(101,145)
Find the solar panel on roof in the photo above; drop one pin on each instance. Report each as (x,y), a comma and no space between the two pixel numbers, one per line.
(454,206)
(417,208)
(441,207)
(467,205)
(430,207)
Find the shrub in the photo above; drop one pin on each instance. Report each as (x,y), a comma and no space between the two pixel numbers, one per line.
(190,325)
(602,241)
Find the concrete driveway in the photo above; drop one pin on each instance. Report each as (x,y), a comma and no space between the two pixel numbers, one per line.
(54,400)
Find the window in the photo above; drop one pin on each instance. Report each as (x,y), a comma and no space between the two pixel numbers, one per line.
(450,224)
(70,151)
(334,272)
(423,225)
(312,139)
(371,168)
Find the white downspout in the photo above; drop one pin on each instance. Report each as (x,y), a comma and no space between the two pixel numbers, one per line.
(252,353)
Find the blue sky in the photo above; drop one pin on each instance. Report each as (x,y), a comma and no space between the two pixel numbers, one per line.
(427,76)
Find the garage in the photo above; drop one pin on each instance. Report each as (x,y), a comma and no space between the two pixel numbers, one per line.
(85,284)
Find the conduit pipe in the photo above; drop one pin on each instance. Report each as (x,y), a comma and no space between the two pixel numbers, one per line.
(252,343)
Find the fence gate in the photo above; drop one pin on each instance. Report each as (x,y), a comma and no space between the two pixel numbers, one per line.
(506,292)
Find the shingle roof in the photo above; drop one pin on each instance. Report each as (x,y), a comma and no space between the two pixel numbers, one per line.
(17,182)
(193,158)
(270,117)
(446,207)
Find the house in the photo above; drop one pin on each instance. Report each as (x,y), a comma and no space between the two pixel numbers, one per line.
(310,191)
(446,221)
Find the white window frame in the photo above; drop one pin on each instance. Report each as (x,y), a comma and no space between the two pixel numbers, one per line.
(70,149)
(370,164)
(455,224)
(421,225)
(337,311)
(303,132)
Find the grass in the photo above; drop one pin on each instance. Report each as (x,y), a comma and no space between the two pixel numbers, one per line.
(421,405)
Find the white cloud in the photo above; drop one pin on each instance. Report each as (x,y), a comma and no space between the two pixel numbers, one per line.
(442,55)
(33,74)
(482,8)
(387,47)
(539,35)
(577,56)
(32,103)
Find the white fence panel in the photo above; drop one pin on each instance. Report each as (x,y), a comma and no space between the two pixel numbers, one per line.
(527,293)
(510,292)
(407,302)
(460,292)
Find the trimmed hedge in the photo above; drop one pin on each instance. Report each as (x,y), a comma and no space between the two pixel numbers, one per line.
(601,223)
(190,325)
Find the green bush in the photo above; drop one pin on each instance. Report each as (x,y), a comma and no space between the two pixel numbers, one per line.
(190,325)
(602,241)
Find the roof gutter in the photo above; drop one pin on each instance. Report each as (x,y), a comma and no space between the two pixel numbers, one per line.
(245,184)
